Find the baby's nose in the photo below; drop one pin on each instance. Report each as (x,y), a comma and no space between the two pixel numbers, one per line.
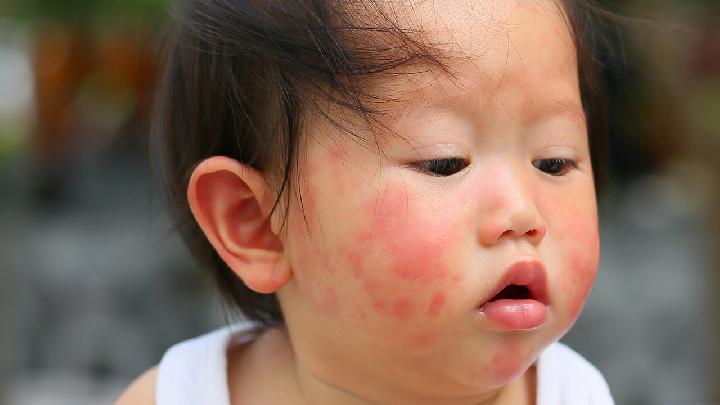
(510,211)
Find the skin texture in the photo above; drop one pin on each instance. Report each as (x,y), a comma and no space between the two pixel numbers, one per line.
(382,267)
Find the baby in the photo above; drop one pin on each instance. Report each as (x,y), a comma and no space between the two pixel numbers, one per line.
(399,196)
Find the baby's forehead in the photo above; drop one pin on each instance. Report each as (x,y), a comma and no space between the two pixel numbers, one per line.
(491,51)
(475,28)
(483,45)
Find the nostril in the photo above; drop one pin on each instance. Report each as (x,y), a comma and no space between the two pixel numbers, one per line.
(496,229)
(537,233)
(531,232)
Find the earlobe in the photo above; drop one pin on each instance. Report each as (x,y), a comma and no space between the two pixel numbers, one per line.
(232,202)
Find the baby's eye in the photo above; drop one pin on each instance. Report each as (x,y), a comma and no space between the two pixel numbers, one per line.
(555,166)
(442,167)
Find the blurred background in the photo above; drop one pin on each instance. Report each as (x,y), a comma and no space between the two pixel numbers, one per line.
(95,286)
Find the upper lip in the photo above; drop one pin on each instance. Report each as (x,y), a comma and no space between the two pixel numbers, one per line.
(527,273)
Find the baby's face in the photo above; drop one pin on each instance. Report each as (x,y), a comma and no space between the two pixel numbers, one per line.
(399,256)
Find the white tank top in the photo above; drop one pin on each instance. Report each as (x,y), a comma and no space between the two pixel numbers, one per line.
(194,372)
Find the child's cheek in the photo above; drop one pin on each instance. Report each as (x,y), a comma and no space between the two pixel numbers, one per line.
(399,257)
(415,241)
(580,238)
(377,254)
(310,265)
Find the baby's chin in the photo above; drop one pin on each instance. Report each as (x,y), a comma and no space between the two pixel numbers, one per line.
(480,377)
(505,363)
(488,361)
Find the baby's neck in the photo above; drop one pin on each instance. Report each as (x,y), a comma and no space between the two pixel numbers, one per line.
(267,370)
(315,390)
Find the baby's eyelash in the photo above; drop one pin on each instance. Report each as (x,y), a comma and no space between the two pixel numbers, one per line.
(555,166)
(442,167)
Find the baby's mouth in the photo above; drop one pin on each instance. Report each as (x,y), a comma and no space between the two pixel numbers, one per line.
(513,292)
(519,302)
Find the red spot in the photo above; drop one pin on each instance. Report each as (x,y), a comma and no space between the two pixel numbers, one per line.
(456,279)
(403,309)
(379,304)
(422,340)
(355,260)
(438,301)
(507,364)
(371,286)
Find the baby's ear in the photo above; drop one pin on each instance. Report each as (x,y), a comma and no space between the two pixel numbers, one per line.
(232,202)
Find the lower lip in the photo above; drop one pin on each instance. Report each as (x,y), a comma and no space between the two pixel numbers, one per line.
(515,314)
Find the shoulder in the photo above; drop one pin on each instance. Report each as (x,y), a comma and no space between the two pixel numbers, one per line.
(189,371)
(141,391)
(566,377)
(195,371)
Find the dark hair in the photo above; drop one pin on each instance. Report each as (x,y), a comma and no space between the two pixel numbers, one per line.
(240,75)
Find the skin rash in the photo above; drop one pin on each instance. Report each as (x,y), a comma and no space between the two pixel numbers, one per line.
(390,264)
(407,243)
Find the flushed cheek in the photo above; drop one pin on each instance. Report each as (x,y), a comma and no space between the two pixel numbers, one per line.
(399,259)
(386,263)
(415,240)
(579,283)
(582,261)
(573,238)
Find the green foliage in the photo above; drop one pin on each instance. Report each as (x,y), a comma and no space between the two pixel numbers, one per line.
(85,11)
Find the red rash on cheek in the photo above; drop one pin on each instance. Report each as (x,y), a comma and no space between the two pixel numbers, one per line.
(355,254)
(355,260)
(582,239)
(416,246)
(379,304)
(403,309)
(438,300)
(397,246)
(401,246)
(579,283)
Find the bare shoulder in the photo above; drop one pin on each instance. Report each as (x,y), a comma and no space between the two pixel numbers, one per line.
(141,391)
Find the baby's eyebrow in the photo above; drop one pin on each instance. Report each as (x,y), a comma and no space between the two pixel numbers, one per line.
(555,107)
